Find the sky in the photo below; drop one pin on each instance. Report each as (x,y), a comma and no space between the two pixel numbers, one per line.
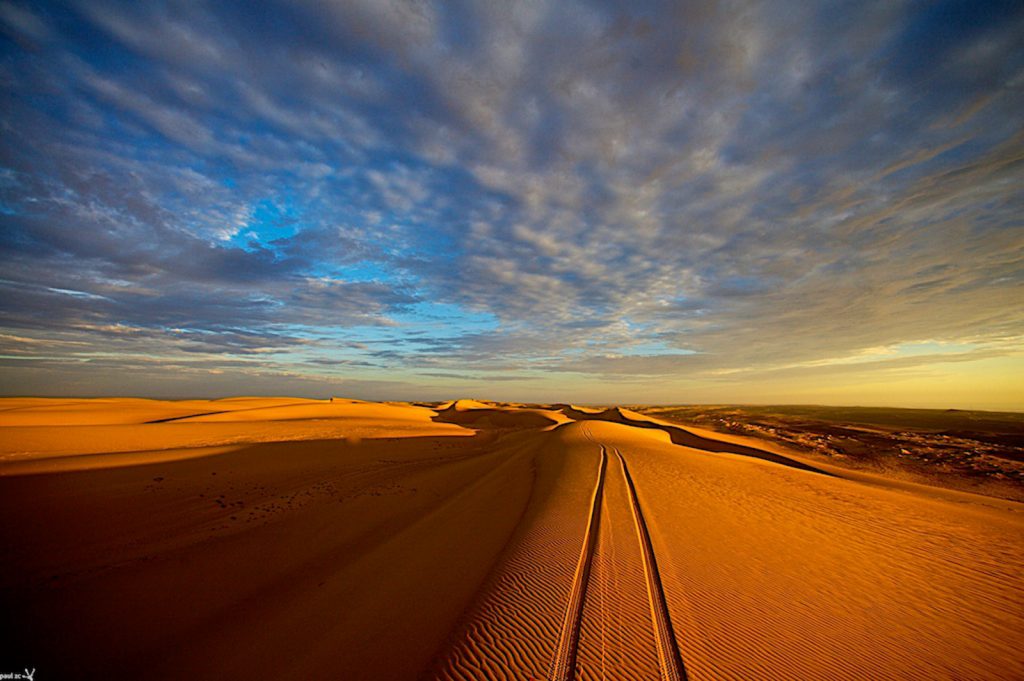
(599,202)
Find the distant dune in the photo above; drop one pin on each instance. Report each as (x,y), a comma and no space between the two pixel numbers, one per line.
(306,539)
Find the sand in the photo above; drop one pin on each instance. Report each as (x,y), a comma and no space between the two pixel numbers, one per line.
(298,539)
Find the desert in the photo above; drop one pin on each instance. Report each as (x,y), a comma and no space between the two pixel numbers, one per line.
(294,538)
(512,340)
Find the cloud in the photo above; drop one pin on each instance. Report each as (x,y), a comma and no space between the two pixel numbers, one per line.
(662,190)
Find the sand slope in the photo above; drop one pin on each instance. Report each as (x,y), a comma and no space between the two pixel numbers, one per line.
(361,541)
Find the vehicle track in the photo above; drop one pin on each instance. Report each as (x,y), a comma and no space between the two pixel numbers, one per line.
(563,666)
(671,662)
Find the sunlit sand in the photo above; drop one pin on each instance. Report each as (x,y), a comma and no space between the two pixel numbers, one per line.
(303,539)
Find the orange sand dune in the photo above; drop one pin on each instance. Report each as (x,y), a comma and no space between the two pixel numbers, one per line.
(61,412)
(184,429)
(477,414)
(363,541)
(311,409)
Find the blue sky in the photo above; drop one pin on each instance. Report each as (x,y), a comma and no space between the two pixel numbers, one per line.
(589,201)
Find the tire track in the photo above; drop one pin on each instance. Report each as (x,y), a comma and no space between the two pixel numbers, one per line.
(671,662)
(563,666)
(617,641)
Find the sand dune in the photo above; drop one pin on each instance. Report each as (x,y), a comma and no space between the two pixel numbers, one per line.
(63,412)
(145,431)
(477,414)
(298,539)
(313,409)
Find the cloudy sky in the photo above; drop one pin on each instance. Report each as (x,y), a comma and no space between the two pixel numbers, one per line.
(541,200)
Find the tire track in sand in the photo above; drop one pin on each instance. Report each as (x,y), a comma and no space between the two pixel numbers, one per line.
(563,666)
(671,662)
